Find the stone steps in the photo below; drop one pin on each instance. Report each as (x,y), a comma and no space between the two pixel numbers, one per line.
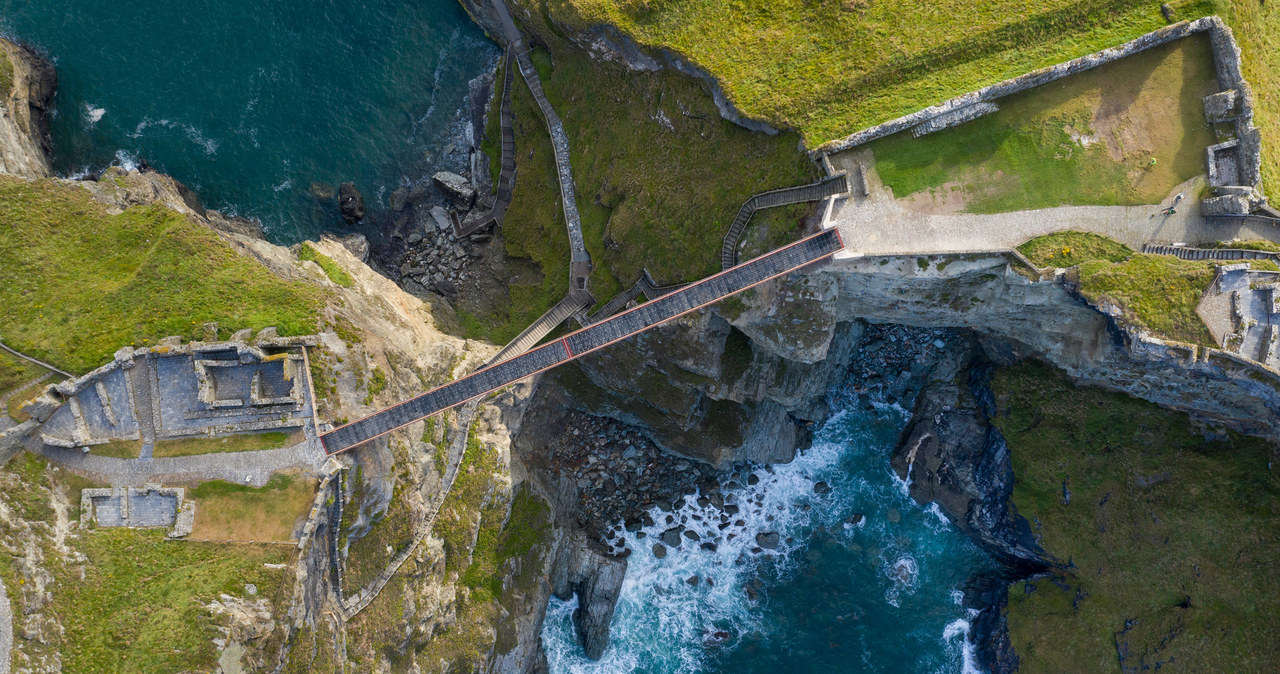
(1228,254)
(827,187)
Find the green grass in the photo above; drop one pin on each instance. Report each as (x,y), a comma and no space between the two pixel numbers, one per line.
(1170,529)
(141,604)
(15,372)
(832,67)
(80,283)
(1087,139)
(118,449)
(649,196)
(331,269)
(1068,249)
(1158,292)
(230,511)
(239,442)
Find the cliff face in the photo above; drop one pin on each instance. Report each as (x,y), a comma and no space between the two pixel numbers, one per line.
(28,81)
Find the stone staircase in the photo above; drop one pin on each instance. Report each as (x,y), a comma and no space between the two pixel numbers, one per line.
(837,184)
(1227,254)
(573,303)
(507,176)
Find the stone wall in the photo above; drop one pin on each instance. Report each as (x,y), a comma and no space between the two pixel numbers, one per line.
(961,108)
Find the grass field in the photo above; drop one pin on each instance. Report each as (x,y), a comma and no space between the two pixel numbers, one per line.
(659,175)
(832,67)
(236,512)
(1257,29)
(239,442)
(1171,533)
(141,605)
(1087,139)
(118,449)
(80,283)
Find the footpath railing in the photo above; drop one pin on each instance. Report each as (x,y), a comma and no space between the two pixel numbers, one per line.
(507,175)
(837,184)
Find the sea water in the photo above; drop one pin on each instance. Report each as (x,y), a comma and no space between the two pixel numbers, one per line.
(842,593)
(250,103)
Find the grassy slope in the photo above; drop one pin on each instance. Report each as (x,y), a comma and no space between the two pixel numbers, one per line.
(1158,292)
(81,283)
(140,606)
(831,67)
(15,372)
(1159,518)
(1069,249)
(648,196)
(1023,157)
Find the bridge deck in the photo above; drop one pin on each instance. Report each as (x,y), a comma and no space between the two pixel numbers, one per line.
(597,336)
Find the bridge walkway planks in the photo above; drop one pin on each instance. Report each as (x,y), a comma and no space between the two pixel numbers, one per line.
(606,332)
(830,186)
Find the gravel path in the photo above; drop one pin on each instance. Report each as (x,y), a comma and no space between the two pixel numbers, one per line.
(880,225)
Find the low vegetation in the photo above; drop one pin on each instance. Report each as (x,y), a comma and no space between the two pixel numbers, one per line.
(832,67)
(237,512)
(1125,133)
(6,74)
(80,282)
(118,449)
(331,269)
(15,372)
(503,537)
(239,442)
(1167,533)
(1068,249)
(460,513)
(659,175)
(1157,292)
(141,603)
(390,531)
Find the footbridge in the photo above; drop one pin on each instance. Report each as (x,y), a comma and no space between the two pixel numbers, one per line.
(599,335)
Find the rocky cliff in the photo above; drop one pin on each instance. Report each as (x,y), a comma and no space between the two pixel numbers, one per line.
(28,81)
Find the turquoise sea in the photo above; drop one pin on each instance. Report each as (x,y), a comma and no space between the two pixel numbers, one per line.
(249,103)
(880,593)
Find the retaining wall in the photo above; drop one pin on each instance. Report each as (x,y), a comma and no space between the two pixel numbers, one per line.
(1226,55)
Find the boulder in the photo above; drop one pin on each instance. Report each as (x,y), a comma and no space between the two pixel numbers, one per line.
(457,188)
(357,245)
(399,198)
(659,550)
(441,217)
(768,540)
(350,203)
(672,536)
(418,194)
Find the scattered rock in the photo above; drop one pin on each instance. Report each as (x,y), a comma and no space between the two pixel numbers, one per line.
(399,198)
(821,488)
(753,479)
(768,540)
(350,203)
(692,580)
(672,536)
(659,550)
(457,188)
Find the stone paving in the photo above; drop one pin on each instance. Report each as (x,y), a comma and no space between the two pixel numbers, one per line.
(1240,310)
(880,225)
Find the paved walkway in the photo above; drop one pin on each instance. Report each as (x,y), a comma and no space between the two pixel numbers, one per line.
(880,225)
(253,468)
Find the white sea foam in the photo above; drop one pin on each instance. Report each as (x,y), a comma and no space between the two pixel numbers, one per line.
(126,161)
(193,133)
(282,186)
(93,115)
(959,629)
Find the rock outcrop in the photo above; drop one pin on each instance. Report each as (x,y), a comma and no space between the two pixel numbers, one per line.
(350,203)
(24,115)
(596,579)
